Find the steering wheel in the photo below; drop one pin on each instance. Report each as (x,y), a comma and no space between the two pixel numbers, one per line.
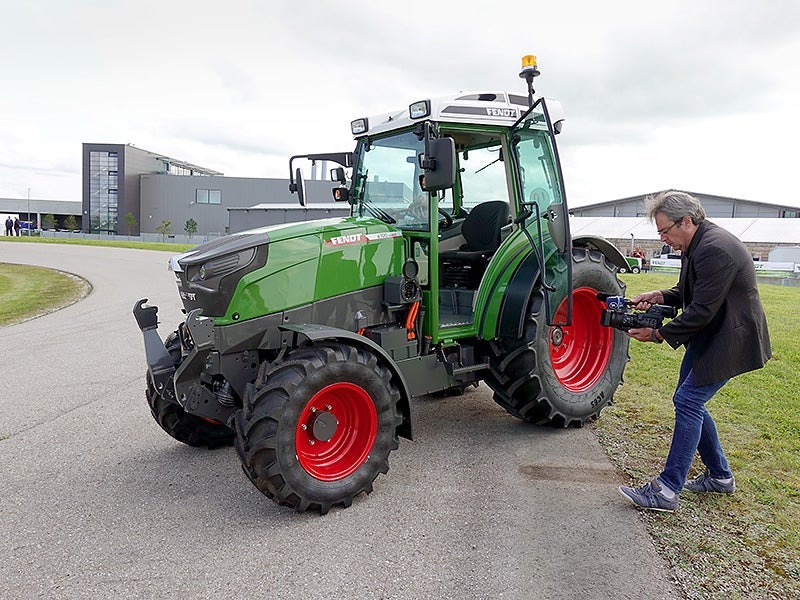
(418,209)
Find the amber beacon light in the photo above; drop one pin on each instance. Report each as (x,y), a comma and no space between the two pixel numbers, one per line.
(529,66)
(528,72)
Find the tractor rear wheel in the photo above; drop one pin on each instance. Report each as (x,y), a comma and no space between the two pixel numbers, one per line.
(563,376)
(318,426)
(184,427)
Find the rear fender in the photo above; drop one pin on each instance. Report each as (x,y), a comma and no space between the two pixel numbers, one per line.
(594,242)
(526,279)
(518,294)
(300,333)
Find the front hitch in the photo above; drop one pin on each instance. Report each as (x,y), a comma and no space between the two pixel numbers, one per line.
(159,362)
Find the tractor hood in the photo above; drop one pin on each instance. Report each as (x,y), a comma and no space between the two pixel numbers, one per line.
(270,269)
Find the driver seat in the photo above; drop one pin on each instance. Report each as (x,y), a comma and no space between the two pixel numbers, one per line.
(481,230)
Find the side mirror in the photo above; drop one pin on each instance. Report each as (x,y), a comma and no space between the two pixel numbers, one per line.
(301,186)
(341,194)
(337,174)
(439,164)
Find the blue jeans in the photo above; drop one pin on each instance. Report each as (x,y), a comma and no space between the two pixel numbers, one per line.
(694,431)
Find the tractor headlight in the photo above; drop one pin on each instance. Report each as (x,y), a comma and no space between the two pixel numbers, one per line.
(359,126)
(419,109)
(219,267)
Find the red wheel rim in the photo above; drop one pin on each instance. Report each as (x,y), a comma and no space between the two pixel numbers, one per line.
(336,431)
(582,353)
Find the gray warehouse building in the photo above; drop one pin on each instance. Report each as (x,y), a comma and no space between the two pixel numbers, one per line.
(111,184)
(715,207)
(121,179)
(221,205)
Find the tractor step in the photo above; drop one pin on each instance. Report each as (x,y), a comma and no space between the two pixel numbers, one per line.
(461,370)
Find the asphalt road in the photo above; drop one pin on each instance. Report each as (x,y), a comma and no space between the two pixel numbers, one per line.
(97,502)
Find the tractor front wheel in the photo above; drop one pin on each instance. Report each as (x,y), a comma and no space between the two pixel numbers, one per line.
(318,426)
(562,375)
(184,427)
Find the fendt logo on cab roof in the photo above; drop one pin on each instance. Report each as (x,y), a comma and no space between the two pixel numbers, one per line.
(501,112)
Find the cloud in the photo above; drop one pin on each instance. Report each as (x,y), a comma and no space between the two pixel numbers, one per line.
(651,91)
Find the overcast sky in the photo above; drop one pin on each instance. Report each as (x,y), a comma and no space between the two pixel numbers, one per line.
(699,96)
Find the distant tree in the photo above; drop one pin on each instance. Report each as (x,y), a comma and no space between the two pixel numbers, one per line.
(190,227)
(131,222)
(164,229)
(71,223)
(48,222)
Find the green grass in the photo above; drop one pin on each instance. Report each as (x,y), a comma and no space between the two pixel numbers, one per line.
(741,546)
(175,248)
(27,292)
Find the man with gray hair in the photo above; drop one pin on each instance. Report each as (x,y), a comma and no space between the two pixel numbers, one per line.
(724,329)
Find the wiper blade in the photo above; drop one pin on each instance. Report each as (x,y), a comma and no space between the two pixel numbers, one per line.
(487,166)
(379,213)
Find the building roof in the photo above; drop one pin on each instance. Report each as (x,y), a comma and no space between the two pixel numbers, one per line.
(178,163)
(196,169)
(753,230)
(41,206)
(699,195)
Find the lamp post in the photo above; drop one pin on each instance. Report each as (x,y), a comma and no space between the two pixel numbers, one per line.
(29,212)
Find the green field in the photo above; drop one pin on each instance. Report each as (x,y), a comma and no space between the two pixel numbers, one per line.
(741,546)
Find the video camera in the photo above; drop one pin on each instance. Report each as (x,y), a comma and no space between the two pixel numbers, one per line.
(620,314)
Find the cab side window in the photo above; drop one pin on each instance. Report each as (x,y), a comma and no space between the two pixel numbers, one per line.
(483,176)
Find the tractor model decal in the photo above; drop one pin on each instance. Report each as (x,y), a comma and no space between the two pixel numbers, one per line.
(361,238)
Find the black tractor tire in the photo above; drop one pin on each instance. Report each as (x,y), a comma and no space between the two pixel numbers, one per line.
(562,376)
(318,426)
(184,427)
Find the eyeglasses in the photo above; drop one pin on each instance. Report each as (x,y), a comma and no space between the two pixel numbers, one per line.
(661,232)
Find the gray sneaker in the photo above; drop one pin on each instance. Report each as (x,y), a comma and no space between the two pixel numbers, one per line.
(706,483)
(649,496)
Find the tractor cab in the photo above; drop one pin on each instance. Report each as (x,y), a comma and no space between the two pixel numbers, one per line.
(467,179)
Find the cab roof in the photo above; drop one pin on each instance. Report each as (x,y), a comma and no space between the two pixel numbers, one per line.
(478,108)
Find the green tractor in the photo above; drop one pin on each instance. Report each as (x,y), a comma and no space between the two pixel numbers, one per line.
(305,343)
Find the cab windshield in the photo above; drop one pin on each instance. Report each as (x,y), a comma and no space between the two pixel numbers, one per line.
(386,181)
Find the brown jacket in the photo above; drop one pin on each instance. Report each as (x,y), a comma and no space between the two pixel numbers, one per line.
(722,317)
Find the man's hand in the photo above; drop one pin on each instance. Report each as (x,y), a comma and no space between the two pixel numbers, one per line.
(642,334)
(645,300)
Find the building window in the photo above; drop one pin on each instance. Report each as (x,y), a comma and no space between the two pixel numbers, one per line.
(790,214)
(103,191)
(173,169)
(208,196)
